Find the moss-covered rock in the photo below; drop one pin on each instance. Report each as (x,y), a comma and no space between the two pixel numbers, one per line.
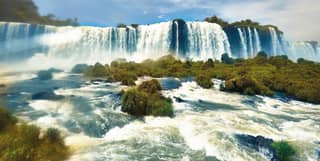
(146,100)
(98,70)
(204,81)
(152,86)
(284,151)
(247,85)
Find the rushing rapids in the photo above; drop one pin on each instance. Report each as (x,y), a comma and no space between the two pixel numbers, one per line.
(194,40)
(206,125)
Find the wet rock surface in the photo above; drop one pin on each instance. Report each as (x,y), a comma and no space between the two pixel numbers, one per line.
(259,144)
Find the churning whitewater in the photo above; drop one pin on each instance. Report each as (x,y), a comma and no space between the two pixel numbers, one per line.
(192,40)
(89,115)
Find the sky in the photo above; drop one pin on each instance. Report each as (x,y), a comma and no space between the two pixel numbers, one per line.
(299,19)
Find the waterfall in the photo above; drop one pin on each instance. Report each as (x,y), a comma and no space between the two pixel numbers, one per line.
(276,42)
(207,40)
(297,49)
(193,40)
(251,51)
(177,37)
(257,41)
(243,44)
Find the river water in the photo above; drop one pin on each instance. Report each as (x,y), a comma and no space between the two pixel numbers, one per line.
(204,127)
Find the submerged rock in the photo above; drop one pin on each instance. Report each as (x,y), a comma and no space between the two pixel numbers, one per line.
(46,96)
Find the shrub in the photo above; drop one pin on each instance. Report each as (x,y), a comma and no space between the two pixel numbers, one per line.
(208,64)
(6,119)
(152,86)
(53,135)
(247,85)
(204,81)
(98,70)
(135,102)
(146,100)
(284,151)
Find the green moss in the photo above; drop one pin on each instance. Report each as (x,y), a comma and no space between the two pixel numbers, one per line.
(284,151)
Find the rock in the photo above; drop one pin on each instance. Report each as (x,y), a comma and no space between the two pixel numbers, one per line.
(44,75)
(258,143)
(179,100)
(79,68)
(46,96)
(169,83)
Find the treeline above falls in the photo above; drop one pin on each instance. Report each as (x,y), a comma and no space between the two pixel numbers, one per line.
(192,40)
(27,11)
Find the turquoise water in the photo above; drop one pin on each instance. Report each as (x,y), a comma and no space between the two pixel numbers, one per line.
(204,127)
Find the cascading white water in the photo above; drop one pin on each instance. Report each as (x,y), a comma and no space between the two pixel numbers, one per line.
(257,40)
(251,50)
(243,44)
(250,42)
(302,48)
(177,37)
(276,46)
(154,40)
(207,40)
(195,40)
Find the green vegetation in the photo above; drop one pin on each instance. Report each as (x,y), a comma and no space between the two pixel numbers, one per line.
(242,23)
(204,81)
(23,142)
(284,151)
(27,11)
(259,75)
(146,100)
(97,70)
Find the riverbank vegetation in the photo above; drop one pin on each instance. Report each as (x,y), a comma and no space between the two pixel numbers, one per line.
(25,142)
(260,75)
(22,142)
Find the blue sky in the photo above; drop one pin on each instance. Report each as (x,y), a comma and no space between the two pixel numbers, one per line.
(298,18)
